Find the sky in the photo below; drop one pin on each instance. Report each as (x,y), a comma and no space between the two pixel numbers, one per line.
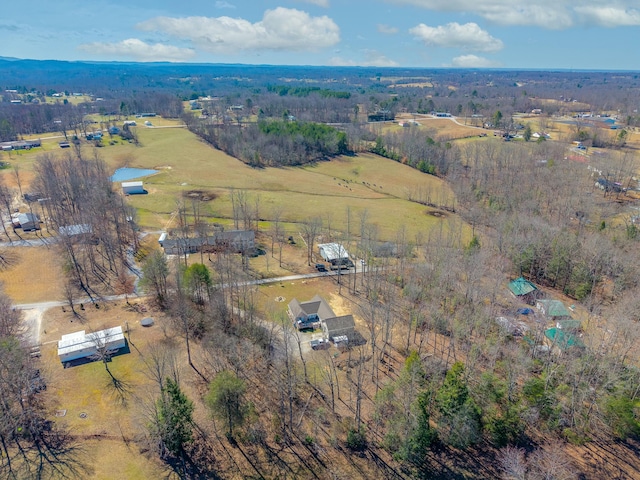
(532,34)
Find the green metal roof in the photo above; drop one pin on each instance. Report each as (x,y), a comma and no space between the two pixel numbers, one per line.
(554,308)
(563,339)
(521,286)
(569,324)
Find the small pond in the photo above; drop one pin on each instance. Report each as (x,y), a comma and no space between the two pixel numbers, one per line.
(125,174)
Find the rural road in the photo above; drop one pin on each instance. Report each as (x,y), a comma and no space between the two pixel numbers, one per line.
(54,137)
(33,312)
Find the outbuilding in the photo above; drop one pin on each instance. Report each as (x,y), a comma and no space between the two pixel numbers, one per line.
(133,188)
(524,290)
(553,309)
(335,254)
(28,221)
(74,346)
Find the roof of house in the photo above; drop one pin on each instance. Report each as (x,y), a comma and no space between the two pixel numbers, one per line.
(333,251)
(132,184)
(554,308)
(28,217)
(569,324)
(563,339)
(77,341)
(317,305)
(521,286)
(338,324)
(234,238)
(79,229)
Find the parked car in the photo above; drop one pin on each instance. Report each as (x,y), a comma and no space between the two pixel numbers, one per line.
(319,344)
(321,267)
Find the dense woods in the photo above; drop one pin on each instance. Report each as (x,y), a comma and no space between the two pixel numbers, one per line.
(275,142)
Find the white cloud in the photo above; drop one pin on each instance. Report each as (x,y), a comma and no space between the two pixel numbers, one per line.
(551,14)
(473,61)
(386,29)
(280,29)
(221,4)
(453,35)
(320,3)
(609,16)
(139,50)
(372,59)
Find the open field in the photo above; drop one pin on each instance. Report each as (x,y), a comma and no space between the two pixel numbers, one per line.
(33,274)
(368,183)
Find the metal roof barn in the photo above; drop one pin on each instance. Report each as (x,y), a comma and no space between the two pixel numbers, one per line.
(333,251)
(82,345)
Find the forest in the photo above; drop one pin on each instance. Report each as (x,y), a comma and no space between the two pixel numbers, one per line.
(434,386)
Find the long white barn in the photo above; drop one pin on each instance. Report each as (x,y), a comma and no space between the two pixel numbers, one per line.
(81,344)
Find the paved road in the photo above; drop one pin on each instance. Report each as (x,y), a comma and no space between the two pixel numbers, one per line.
(33,312)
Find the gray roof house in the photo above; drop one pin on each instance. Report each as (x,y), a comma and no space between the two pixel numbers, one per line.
(304,314)
(339,326)
(29,221)
(241,241)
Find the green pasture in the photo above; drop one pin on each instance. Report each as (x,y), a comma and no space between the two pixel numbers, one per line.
(364,183)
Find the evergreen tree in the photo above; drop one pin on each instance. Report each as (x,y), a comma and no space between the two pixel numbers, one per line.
(225,399)
(175,418)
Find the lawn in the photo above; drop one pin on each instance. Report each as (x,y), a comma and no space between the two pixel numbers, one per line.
(33,274)
(366,182)
(107,420)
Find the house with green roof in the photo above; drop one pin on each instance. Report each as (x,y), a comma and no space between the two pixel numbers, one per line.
(563,340)
(553,309)
(524,290)
(569,325)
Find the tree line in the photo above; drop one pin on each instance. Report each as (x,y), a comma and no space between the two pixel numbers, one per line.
(274,142)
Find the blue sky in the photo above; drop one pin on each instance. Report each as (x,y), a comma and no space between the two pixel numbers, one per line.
(541,34)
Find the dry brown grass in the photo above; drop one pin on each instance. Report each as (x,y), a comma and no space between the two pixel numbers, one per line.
(111,420)
(33,275)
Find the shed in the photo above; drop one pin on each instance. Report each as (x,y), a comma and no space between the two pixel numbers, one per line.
(563,340)
(523,289)
(338,326)
(29,221)
(82,345)
(553,309)
(569,325)
(133,188)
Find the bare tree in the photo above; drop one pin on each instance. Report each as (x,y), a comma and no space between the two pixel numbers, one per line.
(310,231)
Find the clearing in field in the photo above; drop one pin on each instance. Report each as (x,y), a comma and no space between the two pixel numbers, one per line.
(32,274)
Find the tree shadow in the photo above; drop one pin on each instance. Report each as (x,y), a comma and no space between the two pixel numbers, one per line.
(120,390)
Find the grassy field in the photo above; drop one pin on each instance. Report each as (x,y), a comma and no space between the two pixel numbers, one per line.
(105,419)
(33,274)
(364,183)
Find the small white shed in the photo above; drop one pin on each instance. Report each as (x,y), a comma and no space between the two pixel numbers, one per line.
(132,188)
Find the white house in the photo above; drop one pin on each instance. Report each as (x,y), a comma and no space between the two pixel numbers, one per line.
(132,188)
(82,345)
